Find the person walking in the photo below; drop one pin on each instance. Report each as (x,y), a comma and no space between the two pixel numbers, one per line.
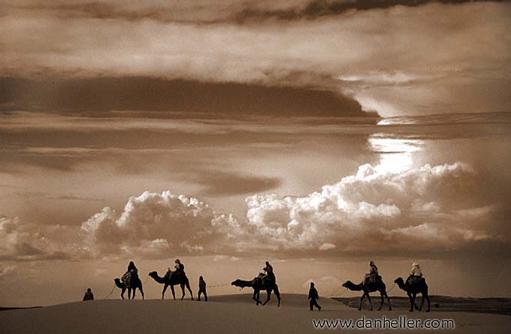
(313,297)
(202,288)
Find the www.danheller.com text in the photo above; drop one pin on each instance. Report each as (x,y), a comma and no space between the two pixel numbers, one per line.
(384,322)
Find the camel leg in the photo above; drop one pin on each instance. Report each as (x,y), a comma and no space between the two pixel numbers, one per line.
(361,300)
(412,301)
(425,294)
(163,292)
(381,300)
(256,296)
(182,291)
(268,296)
(422,303)
(173,292)
(370,301)
(277,294)
(414,298)
(122,293)
(189,289)
(141,291)
(134,292)
(388,300)
(129,293)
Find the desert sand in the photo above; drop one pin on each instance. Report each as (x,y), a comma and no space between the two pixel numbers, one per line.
(222,314)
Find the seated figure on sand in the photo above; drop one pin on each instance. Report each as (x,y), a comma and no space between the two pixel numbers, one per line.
(88,295)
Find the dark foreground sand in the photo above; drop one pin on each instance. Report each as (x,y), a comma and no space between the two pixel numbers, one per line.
(222,314)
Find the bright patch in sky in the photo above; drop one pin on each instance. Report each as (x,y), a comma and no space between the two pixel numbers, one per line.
(396,154)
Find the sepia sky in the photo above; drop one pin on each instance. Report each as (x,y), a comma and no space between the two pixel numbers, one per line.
(318,134)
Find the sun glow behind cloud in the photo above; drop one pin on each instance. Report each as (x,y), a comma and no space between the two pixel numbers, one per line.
(396,154)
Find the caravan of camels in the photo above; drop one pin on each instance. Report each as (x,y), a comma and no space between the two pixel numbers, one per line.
(266,281)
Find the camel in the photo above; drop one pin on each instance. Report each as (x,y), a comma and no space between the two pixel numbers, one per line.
(258,284)
(412,289)
(379,285)
(130,284)
(171,279)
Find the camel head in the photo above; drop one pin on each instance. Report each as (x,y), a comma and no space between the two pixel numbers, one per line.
(347,284)
(118,283)
(400,283)
(352,286)
(237,283)
(242,284)
(158,279)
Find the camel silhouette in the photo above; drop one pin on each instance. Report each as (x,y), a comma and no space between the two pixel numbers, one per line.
(170,280)
(259,284)
(379,285)
(412,288)
(133,283)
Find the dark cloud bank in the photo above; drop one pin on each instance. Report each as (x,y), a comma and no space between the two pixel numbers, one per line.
(149,94)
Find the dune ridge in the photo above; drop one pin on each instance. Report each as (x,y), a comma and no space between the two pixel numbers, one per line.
(226,314)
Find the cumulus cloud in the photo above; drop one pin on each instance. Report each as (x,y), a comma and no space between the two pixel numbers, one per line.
(25,241)
(18,241)
(154,224)
(371,211)
(428,209)
(376,210)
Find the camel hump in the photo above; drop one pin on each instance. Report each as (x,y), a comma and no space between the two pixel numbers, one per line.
(414,280)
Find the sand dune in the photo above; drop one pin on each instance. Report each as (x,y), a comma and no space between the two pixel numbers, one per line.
(222,314)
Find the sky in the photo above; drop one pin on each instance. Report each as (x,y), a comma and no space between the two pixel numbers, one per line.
(317,134)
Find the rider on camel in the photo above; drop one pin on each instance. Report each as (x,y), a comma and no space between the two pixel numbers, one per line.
(270,275)
(180,268)
(415,272)
(373,275)
(131,272)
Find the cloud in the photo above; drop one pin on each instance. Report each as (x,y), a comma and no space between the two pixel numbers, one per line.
(198,11)
(319,8)
(19,242)
(233,183)
(433,210)
(157,224)
(6,270)
(209,11)
(24,241)
(371,211)
(326,246)
(376,211)
(104,94)
(466,64)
